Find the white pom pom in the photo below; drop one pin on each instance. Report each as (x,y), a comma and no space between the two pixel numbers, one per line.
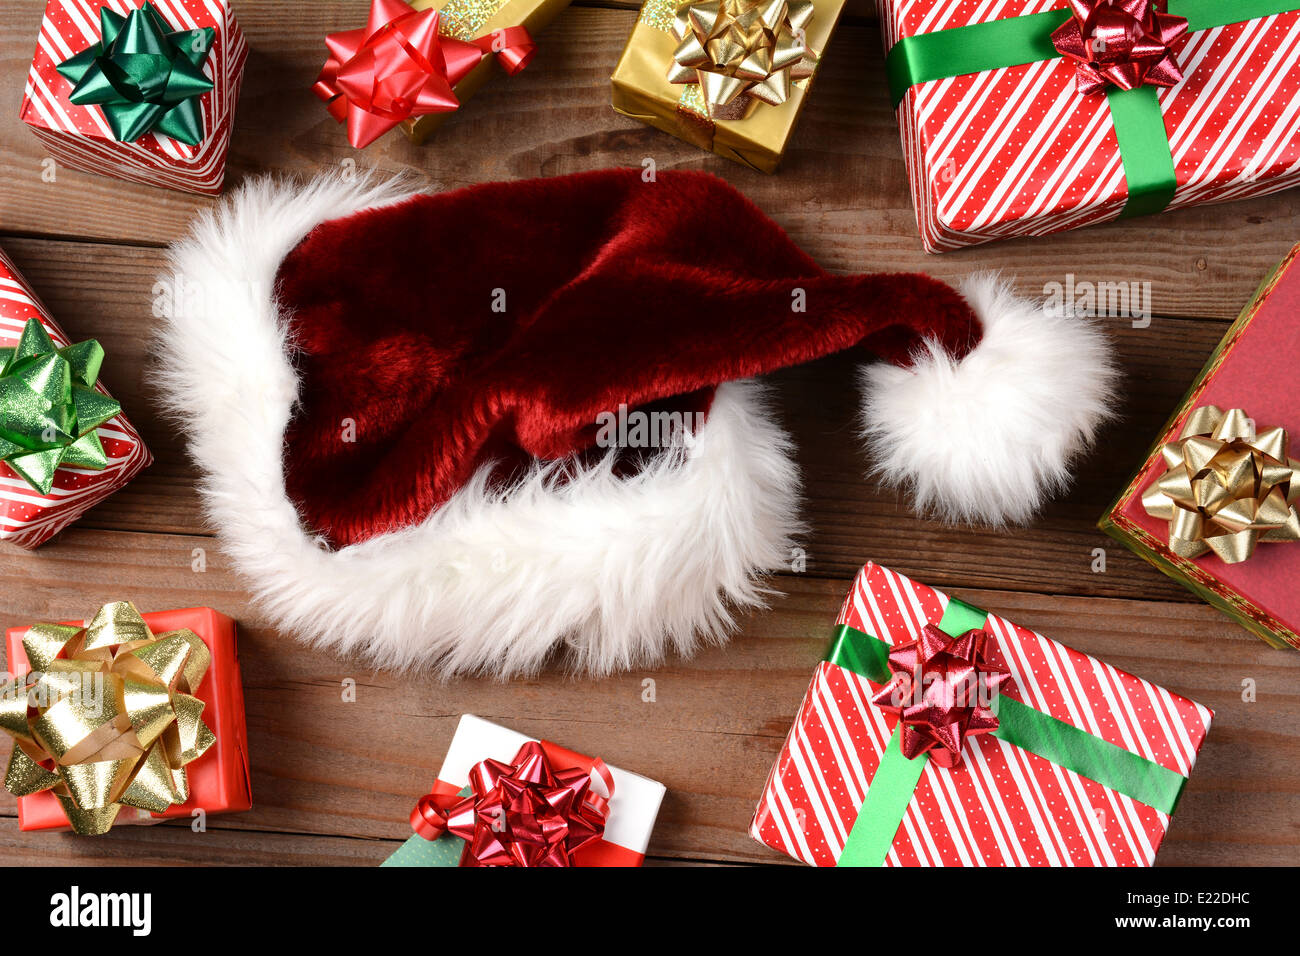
(988,438)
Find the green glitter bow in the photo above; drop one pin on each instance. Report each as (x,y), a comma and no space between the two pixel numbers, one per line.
(143,76)
(49,408)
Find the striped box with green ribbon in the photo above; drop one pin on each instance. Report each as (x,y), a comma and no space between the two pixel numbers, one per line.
(1085,767)
(1000,142)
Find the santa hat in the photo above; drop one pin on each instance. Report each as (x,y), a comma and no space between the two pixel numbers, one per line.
(402,408)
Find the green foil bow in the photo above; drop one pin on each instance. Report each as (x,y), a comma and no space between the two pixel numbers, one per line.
(49,408)
(143,75)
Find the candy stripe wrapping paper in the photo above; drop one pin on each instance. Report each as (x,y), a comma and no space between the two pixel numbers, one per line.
(1002,805)
(79,136)
(28,518)
(632,810)
(1018,151)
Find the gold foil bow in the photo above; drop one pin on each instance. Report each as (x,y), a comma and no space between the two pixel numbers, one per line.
(742,51)
(1226,487)
(106,716)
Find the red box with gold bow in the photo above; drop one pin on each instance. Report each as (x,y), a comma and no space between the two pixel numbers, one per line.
(46,485)
(505,799)
(937,734)
(1214,506)
(1026,117)
(92,107)
(125,719)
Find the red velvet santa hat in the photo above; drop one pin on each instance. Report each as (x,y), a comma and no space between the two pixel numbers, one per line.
(402,407)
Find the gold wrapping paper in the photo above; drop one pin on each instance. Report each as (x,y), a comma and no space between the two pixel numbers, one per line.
(1226,487)
(742,52)
(758,137)
(468,20)
(106,716)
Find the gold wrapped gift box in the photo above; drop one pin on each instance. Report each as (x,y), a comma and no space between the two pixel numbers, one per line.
(724,75)
(468,20)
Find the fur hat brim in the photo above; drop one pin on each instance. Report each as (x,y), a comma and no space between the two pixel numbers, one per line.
(608,571)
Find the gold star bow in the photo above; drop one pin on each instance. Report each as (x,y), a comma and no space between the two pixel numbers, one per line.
(1226,487)
(742,51)
(106,717)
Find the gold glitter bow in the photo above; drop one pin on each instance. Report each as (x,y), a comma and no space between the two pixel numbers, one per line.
(1226,487)
(105,717)
(742,51)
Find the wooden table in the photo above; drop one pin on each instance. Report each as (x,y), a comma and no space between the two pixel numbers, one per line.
(334,781)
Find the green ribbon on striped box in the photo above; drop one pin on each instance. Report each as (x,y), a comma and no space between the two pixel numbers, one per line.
(1019,724)
(1016,41)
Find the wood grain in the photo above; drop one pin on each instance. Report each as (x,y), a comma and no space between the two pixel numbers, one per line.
(333,781)
(842,191)
(849,516)
(329,768)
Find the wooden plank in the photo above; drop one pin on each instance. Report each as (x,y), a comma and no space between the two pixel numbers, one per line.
(333,781)
(106,291)
(842,192)
(331,768)
(173,844)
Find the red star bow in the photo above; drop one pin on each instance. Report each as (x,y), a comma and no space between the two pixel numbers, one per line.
(398,66)
(522,813)
(940,691)
(1125,43)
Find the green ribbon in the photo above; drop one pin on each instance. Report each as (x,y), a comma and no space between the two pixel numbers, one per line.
(49,408)
(890,792)
(446,850)
(1139,127)
(144,76)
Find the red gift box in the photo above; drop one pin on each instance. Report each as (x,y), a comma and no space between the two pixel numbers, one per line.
(27,517)
(80,137)
(219,779)
(1018,151)
(632,808)
(1100,791)
(1253,368)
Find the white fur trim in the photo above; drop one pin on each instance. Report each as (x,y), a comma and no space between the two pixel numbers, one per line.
(616,571)
(986,440)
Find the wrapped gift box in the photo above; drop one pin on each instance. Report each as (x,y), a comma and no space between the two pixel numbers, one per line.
(841,781)
(27,517)
(1018,151)
(468,20)
(642,91)
(633,806)
(80,137)
(1252,369)
(219,780)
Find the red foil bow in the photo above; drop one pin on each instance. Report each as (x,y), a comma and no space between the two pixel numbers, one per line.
(1124,43)
(522,813)
(939,690)
(398,67)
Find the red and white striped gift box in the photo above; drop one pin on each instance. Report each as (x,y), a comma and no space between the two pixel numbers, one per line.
(27,517)
(1019,152)
(1001,806)
(79,136)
